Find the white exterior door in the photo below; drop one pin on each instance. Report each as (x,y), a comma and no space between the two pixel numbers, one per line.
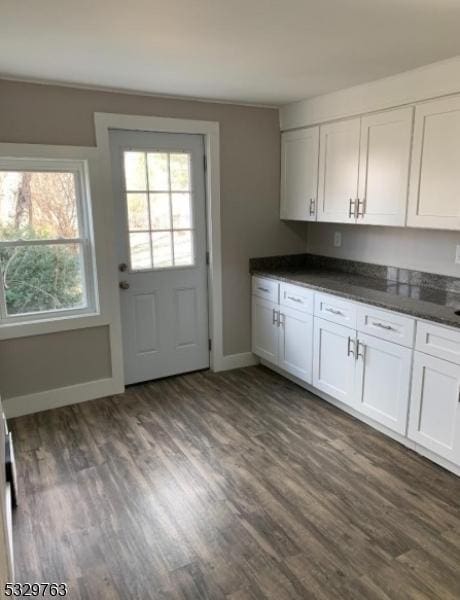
(384,167)
(265,329)
(338,171)
(434,198)
(334,360)
(158,183)
(299,174)
(296,343)
(383,379)
(434,420)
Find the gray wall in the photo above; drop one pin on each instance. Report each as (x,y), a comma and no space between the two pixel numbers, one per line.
(421,249)
(250,164)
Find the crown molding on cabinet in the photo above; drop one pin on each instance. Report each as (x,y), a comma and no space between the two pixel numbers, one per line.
(425,83)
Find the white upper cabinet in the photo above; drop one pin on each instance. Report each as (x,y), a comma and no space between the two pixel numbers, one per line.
(338,171)
(434,197)
(384,167)
(299,174)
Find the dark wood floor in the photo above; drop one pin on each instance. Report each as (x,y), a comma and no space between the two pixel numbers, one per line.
(238,485)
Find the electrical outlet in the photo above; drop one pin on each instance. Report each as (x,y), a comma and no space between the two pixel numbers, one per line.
(338,240)
(457,254)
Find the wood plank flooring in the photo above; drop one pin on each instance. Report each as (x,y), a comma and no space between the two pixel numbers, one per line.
(237,486)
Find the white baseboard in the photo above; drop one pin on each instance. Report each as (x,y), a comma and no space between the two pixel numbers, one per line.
(237,361)
(72,394)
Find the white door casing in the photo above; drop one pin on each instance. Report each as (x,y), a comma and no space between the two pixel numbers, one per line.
(299,174)
(383,371)
(338,171)
(384,167)
(164,311)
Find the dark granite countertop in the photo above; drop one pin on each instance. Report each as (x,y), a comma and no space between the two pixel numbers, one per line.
(421,295)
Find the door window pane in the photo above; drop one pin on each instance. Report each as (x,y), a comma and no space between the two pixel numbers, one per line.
(160,212)
(138,215)
(180,172)
(135,171)
(38,205)
(182,218)
(42,278)
(162,250)
(183,248)
(160,230)
(141,254)
(158,171)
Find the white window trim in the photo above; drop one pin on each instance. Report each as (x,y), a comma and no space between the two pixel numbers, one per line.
(86,162)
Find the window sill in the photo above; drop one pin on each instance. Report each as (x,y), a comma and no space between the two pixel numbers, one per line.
(52,325)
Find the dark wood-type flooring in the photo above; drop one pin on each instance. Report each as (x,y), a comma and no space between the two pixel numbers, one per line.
(235,486)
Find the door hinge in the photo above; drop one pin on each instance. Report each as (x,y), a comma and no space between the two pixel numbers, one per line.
(210,344)
(207,257)
(205,162)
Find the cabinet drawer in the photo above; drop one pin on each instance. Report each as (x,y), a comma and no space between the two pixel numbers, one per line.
(386,325)
(265,288)
(295,296)
(442,342)
(335,309)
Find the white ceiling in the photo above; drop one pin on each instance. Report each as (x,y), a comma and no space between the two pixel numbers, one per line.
(258,51)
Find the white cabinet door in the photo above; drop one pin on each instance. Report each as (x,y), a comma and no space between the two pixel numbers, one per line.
(299,174)
(384,167)
(296,343)
(434,197)
(333,360)
(383,381)
(265,329)
(338,171)
(434,420)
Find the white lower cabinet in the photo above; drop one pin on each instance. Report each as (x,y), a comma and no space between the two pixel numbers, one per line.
(295,343)
(383,381)
(264,329)
(334,360)
(434,420)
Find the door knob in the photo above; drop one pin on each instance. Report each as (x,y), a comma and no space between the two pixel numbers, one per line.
(124,285)
(122,267)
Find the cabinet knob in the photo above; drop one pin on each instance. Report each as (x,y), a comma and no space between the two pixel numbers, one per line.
(122,267)
(124,285)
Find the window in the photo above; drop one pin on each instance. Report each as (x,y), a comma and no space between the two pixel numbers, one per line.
(46,250)
(159,209)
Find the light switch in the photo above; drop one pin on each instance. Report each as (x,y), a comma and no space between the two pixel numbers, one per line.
(338,239)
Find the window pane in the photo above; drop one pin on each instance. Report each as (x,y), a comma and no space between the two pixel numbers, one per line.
(138,216)
(180,172)
(135,172)
(158,171)
(42,278)
(183,248)
(139,245)
(159,211)
(162,249)
(38,205)
(181,211)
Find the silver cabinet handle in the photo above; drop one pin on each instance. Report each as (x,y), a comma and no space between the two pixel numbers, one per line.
(350,352)
(363,353)
(334,311)
(281,322)
(351,208)
(362,206)
(262,289)
(312,206)
(383,326)
(298,300)
(274,319)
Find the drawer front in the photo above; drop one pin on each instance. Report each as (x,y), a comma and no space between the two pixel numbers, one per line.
(438,341)
(265,288)
(297,297)
(335,309)
(386,325)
